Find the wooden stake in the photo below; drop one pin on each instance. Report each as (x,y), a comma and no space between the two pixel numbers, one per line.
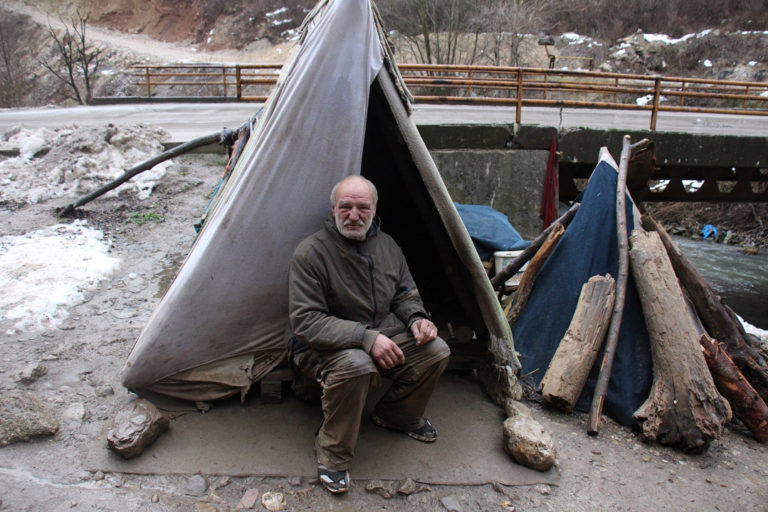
(529,277)
(144,166)
(745,402)
(516,264)
(601,388)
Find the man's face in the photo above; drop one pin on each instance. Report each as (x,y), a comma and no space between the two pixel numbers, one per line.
(354,209)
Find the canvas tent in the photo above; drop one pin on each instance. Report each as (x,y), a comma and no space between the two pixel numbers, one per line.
(338,109)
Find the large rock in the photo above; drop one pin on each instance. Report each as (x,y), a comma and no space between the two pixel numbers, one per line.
(22,417)
(136,427)
(525,440)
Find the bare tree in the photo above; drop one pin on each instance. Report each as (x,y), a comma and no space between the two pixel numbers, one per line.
(437,31)
(75,62)
(507,22)
(13,67)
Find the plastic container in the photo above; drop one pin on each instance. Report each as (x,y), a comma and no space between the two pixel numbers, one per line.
(502,258)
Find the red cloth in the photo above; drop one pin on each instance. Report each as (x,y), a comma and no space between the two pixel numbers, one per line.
(548,211)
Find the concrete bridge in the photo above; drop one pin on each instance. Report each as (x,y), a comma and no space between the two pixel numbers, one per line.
(485,158)
(707,158)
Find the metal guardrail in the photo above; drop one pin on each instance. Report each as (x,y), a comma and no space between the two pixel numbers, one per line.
(492,85)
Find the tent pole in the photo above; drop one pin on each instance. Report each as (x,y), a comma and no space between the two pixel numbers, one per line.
(601,388)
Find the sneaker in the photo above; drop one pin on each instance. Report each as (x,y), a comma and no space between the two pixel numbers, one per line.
(426,433)
(336,482)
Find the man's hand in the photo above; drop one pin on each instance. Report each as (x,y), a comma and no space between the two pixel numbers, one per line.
(424,331)
(386,353)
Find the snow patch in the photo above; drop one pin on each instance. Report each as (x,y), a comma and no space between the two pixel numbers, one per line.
(664,38)
(753,330)
(78,161)
(648,98)
(45,271)
(277,12)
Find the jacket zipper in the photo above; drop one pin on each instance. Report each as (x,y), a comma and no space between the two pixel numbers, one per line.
(369,259)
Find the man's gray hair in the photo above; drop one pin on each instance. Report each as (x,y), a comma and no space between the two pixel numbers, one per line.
(374,191)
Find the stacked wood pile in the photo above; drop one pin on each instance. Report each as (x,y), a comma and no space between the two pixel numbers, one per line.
(705,367)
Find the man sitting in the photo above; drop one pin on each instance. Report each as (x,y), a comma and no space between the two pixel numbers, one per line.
(356,315)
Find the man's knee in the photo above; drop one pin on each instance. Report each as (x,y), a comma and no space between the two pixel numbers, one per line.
(437,349)
(348,364)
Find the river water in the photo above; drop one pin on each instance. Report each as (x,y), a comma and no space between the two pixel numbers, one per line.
(741,279)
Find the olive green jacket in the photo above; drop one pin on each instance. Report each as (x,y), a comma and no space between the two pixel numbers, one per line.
(343,292)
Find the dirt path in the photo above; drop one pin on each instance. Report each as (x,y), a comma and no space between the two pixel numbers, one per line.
(152,49)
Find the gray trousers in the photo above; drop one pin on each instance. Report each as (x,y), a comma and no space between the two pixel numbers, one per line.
(347,376)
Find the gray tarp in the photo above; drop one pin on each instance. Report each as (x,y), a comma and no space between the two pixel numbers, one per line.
(221,325)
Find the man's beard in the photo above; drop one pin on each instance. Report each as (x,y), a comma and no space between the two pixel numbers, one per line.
(343,226)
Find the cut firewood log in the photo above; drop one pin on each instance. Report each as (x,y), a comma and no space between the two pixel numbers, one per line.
(745,402)
(530,274)
(577,352)
(684,408)
(716,316)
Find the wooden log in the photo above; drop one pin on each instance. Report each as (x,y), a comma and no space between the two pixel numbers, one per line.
(745,402)
(516,264)
(641,166)
(715,315)
(601,388)
(684,408)
(529,277)
(577,352)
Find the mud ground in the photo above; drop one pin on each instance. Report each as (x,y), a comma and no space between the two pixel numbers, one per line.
(614,471)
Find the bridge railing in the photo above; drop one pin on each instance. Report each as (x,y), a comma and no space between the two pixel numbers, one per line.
(487,85)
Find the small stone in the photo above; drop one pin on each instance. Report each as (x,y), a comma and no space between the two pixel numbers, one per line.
(205,507)
(514,409)
(106,391)
(98,476)
(544,490)
(75,412)
(273,501)
(249,499)
(155,498)
(385,490)
(451,504)
(223,482)
(31,373)
(295,481)
(136,427)
(197,485)
(526,441)
(408,487)
(22,417)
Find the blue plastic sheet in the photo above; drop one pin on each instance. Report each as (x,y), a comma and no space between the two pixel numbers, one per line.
(490,230)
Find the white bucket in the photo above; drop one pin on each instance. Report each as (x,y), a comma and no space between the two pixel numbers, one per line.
(502,258)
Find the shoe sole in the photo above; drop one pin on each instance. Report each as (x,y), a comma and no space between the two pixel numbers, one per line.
(381,423)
